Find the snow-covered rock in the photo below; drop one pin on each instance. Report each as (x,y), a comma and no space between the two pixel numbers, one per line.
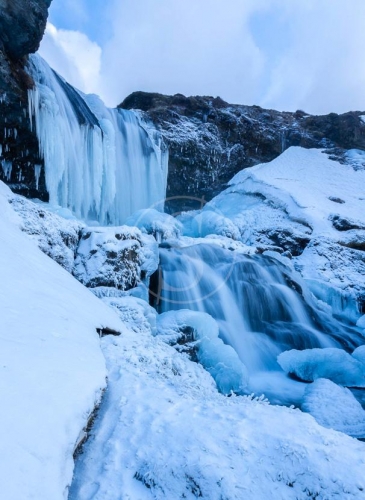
(334,407)
(52,370)
(119,257)
(56,237)
(162,226)
(334,364)
(219,359)
(335,274)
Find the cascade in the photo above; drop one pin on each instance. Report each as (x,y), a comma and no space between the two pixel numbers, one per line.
(101,163)
(260,309)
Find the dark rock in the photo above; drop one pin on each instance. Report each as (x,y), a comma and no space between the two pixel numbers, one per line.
(22,24)
(344,224)
(287,240)
(210,140)
(336,200)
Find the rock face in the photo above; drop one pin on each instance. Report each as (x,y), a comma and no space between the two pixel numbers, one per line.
(210,140)
(22,24)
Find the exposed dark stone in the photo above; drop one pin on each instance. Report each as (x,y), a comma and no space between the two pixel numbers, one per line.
(344,224)
(210,140)
(288,241)
(336,200)
(79,448)
(102,332)
(22,24)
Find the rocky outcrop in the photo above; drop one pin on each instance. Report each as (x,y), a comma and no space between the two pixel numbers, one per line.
(56,236)
(118,258)
(22,24)
(210,140)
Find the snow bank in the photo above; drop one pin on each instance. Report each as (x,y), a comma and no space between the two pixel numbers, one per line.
(52,370)
(306,183)
(334,364)
(219,359)
(164,432)
(334,407)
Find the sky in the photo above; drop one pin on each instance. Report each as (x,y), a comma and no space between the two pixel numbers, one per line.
(281,54)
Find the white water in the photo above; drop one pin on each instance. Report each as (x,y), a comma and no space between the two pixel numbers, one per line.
(258,314)
(100,163)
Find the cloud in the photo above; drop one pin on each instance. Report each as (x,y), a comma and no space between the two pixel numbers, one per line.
(74,56)
(322,68)
(191,47)
(282,54)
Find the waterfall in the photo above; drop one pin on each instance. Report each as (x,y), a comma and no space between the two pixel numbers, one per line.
(261,311)
(101,163)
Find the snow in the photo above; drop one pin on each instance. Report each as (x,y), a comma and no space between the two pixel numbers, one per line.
(209,222)
(283,181)
(334,364)
(220,360)
(115,257)
(334,407)
(162,226)
(52,370)
(56,237)
(295,203)
(164,432)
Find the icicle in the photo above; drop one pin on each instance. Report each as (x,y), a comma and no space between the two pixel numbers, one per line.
(7,167)
(37,173)
(101,163)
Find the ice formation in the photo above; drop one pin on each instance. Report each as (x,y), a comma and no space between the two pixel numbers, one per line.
(334,407)
(220,360)
(334,364)
(162,226)
(101,163)
(209,222)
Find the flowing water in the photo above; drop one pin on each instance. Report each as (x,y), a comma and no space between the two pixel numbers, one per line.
(260,308)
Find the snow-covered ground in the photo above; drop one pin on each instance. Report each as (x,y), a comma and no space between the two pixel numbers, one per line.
(163,430)
(52,369)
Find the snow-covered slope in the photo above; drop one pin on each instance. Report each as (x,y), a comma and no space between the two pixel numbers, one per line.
(52,369)
(165,433)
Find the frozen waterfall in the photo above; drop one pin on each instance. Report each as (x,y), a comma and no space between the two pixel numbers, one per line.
(260,308)
(101,163)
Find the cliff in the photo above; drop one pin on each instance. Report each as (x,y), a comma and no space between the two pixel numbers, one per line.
(210,140)
(22,25)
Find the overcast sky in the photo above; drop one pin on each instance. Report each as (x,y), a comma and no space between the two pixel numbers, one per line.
(282,54)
